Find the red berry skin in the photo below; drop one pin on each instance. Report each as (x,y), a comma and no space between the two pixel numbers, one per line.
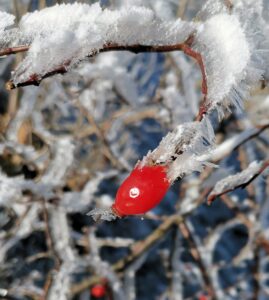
(142,190)
(98,291)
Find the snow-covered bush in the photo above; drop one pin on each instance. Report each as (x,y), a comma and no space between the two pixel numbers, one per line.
(148,84)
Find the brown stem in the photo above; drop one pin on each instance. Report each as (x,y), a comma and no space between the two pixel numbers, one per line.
(13,50)
(203,109)
(187,48)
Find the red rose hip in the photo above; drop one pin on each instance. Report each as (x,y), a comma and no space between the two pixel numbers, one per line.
(98,291)
(142,190)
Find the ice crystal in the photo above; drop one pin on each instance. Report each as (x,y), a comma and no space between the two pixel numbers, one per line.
(105,214)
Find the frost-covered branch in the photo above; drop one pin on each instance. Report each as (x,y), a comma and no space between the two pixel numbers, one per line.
(134,29)
(35,79)
(194,250)
(234,142)
(239,180)
(61,280)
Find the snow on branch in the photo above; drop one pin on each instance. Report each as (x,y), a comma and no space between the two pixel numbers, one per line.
(63,35)
(223,44)
(239,180)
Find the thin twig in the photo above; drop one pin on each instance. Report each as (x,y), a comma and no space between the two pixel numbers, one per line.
(99,132)
(186,233)
(51,249)
(235,142)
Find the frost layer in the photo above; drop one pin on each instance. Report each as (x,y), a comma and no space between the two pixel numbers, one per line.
(224,47)
(67,33)
(5,20)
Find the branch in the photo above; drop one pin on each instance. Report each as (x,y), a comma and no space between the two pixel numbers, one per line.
(14,50)
(35,79)
(241,184)
(194,250)
(235,142)
(186,47)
